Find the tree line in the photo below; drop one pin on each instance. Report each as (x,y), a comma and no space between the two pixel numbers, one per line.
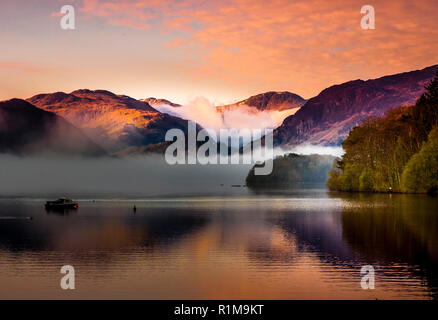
(293,169)
(395,153)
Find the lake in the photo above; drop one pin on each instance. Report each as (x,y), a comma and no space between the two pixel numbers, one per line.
(233,244)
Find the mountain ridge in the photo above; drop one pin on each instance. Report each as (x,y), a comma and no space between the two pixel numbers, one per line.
(269,101)
(327,118)
(26,129)
(113,121)
(158,102)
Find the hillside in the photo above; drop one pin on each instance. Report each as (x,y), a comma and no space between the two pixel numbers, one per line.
(328,118)
(394,153)
(114,121)
(25,129)
(269,101)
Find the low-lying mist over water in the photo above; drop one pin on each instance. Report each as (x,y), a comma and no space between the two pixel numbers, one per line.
(137,176)
(141,176)
(308,149)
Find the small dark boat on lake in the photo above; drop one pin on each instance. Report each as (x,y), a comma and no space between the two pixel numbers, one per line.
(62,203)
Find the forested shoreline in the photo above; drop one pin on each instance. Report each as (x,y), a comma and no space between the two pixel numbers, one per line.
(395,153)
(293,169)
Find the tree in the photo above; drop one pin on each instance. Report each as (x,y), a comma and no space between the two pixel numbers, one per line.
(378,151)
(421,172)
(431,94)
(426,110)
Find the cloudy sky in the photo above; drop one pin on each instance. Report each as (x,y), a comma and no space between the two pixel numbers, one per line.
(223,50)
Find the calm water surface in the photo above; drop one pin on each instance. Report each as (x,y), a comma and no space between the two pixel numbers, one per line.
(302,244)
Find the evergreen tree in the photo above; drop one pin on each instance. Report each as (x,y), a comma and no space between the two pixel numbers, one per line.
(431,94)
(426,109)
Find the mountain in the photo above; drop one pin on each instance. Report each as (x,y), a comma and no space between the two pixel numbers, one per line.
(270,101)
(26,129)
(159,102)
(395,153)
(328,118)
(114,121)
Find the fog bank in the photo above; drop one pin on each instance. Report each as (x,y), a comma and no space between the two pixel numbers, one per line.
(146,176)
(204,113)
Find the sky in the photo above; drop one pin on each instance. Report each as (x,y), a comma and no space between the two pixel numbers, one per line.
(224,51)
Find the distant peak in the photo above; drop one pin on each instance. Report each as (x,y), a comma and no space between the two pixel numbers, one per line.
(271,100)
(98,92)
(14,101)
(81,91)
(157,101)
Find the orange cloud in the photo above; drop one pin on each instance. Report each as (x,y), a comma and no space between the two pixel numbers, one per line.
(56,14)
(22,66)
(298,45)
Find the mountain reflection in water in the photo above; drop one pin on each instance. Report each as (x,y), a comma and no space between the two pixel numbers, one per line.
(294,244)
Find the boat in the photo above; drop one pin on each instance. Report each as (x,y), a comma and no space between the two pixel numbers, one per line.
(62,203)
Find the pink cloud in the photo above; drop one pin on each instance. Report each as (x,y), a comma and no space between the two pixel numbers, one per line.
(298,45)
(22,66)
